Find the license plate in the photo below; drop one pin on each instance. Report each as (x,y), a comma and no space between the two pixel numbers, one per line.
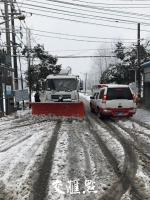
(119,113)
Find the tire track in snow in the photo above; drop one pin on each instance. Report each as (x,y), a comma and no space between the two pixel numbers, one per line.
(41,183)
(11,142)
(19,164)
(130,164)
(139,144)
(135,186)
(139,187)
(92,119)
(136,193)
(104,148)
(134,127)
(95,161)
(126,177)
(14,143)
(140,123)
(25,120)
(80,139)
(24,124)
(60,165)
(79,161)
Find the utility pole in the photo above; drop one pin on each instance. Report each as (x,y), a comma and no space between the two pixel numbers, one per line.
(138,70)
(28,59)
(85,81)
(1,90)
(21,78)
(7,28)
(14,47)
(9,53)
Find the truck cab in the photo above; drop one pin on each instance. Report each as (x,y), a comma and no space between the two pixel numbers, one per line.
(60,88)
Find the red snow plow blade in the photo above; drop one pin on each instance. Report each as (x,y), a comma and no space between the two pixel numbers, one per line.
(59,109)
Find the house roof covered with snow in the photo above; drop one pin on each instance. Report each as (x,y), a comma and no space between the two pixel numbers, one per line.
(147,64)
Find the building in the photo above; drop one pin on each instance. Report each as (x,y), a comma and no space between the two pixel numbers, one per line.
(146,84)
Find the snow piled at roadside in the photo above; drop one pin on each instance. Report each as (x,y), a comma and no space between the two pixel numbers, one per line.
(143,115)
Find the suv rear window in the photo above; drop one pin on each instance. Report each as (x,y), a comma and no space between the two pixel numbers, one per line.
(119,93)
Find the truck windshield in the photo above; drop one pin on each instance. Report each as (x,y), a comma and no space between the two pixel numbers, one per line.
(61,84)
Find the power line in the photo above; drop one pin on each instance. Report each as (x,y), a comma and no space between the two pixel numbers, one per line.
(134,15)
(85,22)
(63,38)
(81,15)
(82,10)
(83,50)
(79,35)
(75,35)
(25,23)
(89,22)
(69,38)
(84,15)
(92,7)
(76,39)
(109,3)
(83,56)
(130,7)
(92,23)
(114,5)
(22,2)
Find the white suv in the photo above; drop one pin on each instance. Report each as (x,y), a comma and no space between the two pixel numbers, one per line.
(113,100)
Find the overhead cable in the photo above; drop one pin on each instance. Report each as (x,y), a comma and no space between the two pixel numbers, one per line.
(84,56)
(76,39)
(92,7)
(113,12)
(96,17)
(89,22)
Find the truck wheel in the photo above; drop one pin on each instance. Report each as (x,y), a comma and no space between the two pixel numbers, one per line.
(91,108)
(100,116)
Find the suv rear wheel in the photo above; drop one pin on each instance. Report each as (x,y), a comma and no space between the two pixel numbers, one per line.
(99,114)
(91,108)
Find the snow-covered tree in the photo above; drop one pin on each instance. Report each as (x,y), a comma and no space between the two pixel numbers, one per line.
(123,70)
(46,64)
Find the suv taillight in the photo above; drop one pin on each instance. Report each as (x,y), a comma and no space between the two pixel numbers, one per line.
(104,98)
(133,97)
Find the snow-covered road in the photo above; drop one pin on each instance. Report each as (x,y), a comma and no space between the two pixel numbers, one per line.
(45,157)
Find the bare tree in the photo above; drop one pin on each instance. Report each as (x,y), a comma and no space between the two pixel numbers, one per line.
(99,64)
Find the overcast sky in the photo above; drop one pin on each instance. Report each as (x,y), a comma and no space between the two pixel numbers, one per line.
(79,27)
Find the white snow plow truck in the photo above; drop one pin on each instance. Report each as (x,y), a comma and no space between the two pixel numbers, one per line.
(59,96)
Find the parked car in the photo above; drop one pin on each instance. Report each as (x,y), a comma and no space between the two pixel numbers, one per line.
(113,100)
